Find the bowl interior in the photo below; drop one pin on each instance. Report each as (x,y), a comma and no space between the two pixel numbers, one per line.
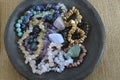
(94,43)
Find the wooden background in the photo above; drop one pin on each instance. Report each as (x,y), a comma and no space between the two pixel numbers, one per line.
(109,67)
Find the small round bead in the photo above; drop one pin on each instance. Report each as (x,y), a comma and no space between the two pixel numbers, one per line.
(38,8)
(18,29)
(84,50)
(75,64)
(18,25)
(81,60)
(20,34)
(31,10)
(34,12)
(78,63)
(22,17)
(84,54)
(23,26)
(20,21)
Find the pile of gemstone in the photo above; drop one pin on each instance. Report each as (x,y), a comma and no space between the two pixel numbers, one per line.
(50,38)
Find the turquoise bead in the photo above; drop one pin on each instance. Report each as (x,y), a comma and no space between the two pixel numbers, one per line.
(18,25)
(18,29)
(20,34)
(39,12)
(31,14)
(20,21)
(74,51)
(34,12)
(22,17)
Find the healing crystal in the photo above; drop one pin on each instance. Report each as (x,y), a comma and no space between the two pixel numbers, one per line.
(59,24)
(74,51)
(56,38)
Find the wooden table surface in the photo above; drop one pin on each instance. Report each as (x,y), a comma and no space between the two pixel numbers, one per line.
(109,67)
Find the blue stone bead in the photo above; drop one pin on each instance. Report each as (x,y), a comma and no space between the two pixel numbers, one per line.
(26,20)
(34,7)
(57,12)
(36,29)
(56,16)
(20,34)
(47,8)
(49,5)
(31,10)
(55,7)
(42,7)
(27,16)
(18,25)
(38,8)
(18,29)
(20,21)
(23,26)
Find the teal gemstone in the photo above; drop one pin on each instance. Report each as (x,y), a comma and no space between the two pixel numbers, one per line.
(18,25)
(74,51)
(20,21)
(20,34)
(18,29)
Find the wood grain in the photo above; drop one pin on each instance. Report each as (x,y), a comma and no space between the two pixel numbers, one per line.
(108,68)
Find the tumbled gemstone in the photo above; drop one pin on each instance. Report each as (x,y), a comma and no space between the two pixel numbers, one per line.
(56,38)
(74,51)
(59,24)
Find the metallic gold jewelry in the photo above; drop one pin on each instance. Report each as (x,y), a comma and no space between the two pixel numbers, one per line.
(72,31)
(70,13)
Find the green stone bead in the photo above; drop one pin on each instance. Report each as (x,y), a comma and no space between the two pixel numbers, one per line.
(31,41)
(35,40)
(74,51)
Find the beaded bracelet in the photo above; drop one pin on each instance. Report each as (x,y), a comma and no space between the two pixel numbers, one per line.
(39,39)
(74,26)
(80,60)
(70,13)
(21,23)
(72,31)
